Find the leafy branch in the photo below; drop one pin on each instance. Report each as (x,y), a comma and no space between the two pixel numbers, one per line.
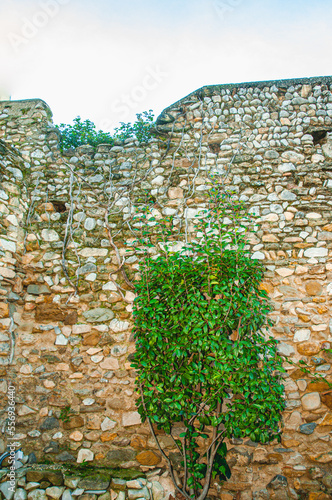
(204,360)
(85,132)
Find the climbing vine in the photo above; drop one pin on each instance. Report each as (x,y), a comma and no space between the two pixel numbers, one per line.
(207,369)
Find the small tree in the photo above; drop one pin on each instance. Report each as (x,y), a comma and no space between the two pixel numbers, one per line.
(85,132)
(206,368)
(81,133)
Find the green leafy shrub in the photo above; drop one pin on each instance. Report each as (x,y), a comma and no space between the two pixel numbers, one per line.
(85,132)
(206,368)
(140,130)
(82,132)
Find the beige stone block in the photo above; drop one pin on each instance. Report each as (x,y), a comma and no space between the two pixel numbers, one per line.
(26,369)
(293,421)
(93,252)
(80,329)
(270,238)
(85,455)
(284,271)
(43,412)
(49,384)
(289,215)
(62,367)
(311,401)
(76,375)
(302,384)
(5,272)
(76,436)
(301,270)
(131,418)
(130,296)
(110,364)
(93,422)
(175,192)
(319,328)
(271,217)
(93,350)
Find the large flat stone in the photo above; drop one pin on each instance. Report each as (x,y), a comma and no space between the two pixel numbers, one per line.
(95,482)
(98,315)
(38,289)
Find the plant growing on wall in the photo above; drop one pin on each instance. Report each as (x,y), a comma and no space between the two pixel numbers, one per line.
(207,369)
(85,132)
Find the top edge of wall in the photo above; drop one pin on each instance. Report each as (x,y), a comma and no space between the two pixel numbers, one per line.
(208,90)
(35,103)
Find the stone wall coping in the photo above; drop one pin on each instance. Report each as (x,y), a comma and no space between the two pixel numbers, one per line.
(208,90)
(16,105)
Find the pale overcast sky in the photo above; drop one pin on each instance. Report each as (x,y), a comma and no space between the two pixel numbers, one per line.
(107,60)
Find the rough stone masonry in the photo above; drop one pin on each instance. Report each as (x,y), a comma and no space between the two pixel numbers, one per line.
(67,234)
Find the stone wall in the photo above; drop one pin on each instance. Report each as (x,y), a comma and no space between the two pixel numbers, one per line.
(67,226)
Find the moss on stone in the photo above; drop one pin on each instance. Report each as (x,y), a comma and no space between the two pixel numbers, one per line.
(85,470)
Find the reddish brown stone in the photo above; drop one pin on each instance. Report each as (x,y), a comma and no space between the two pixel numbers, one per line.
(296,374)
(108,436)
(32,246)
(312,417)
(313,288)
(319,386)
(91,338)
(290,443)
(18,285)
(327,399)
(318,495)
(138,442)
(4,310)
(226,496)
(322,458)
(327,420)
(274,458)
(148,458)
(267,287)
(71,318)
(124,315)
(290,472)
(308,348)
(117,404)
(73,422)
(304,318)
(49,312)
